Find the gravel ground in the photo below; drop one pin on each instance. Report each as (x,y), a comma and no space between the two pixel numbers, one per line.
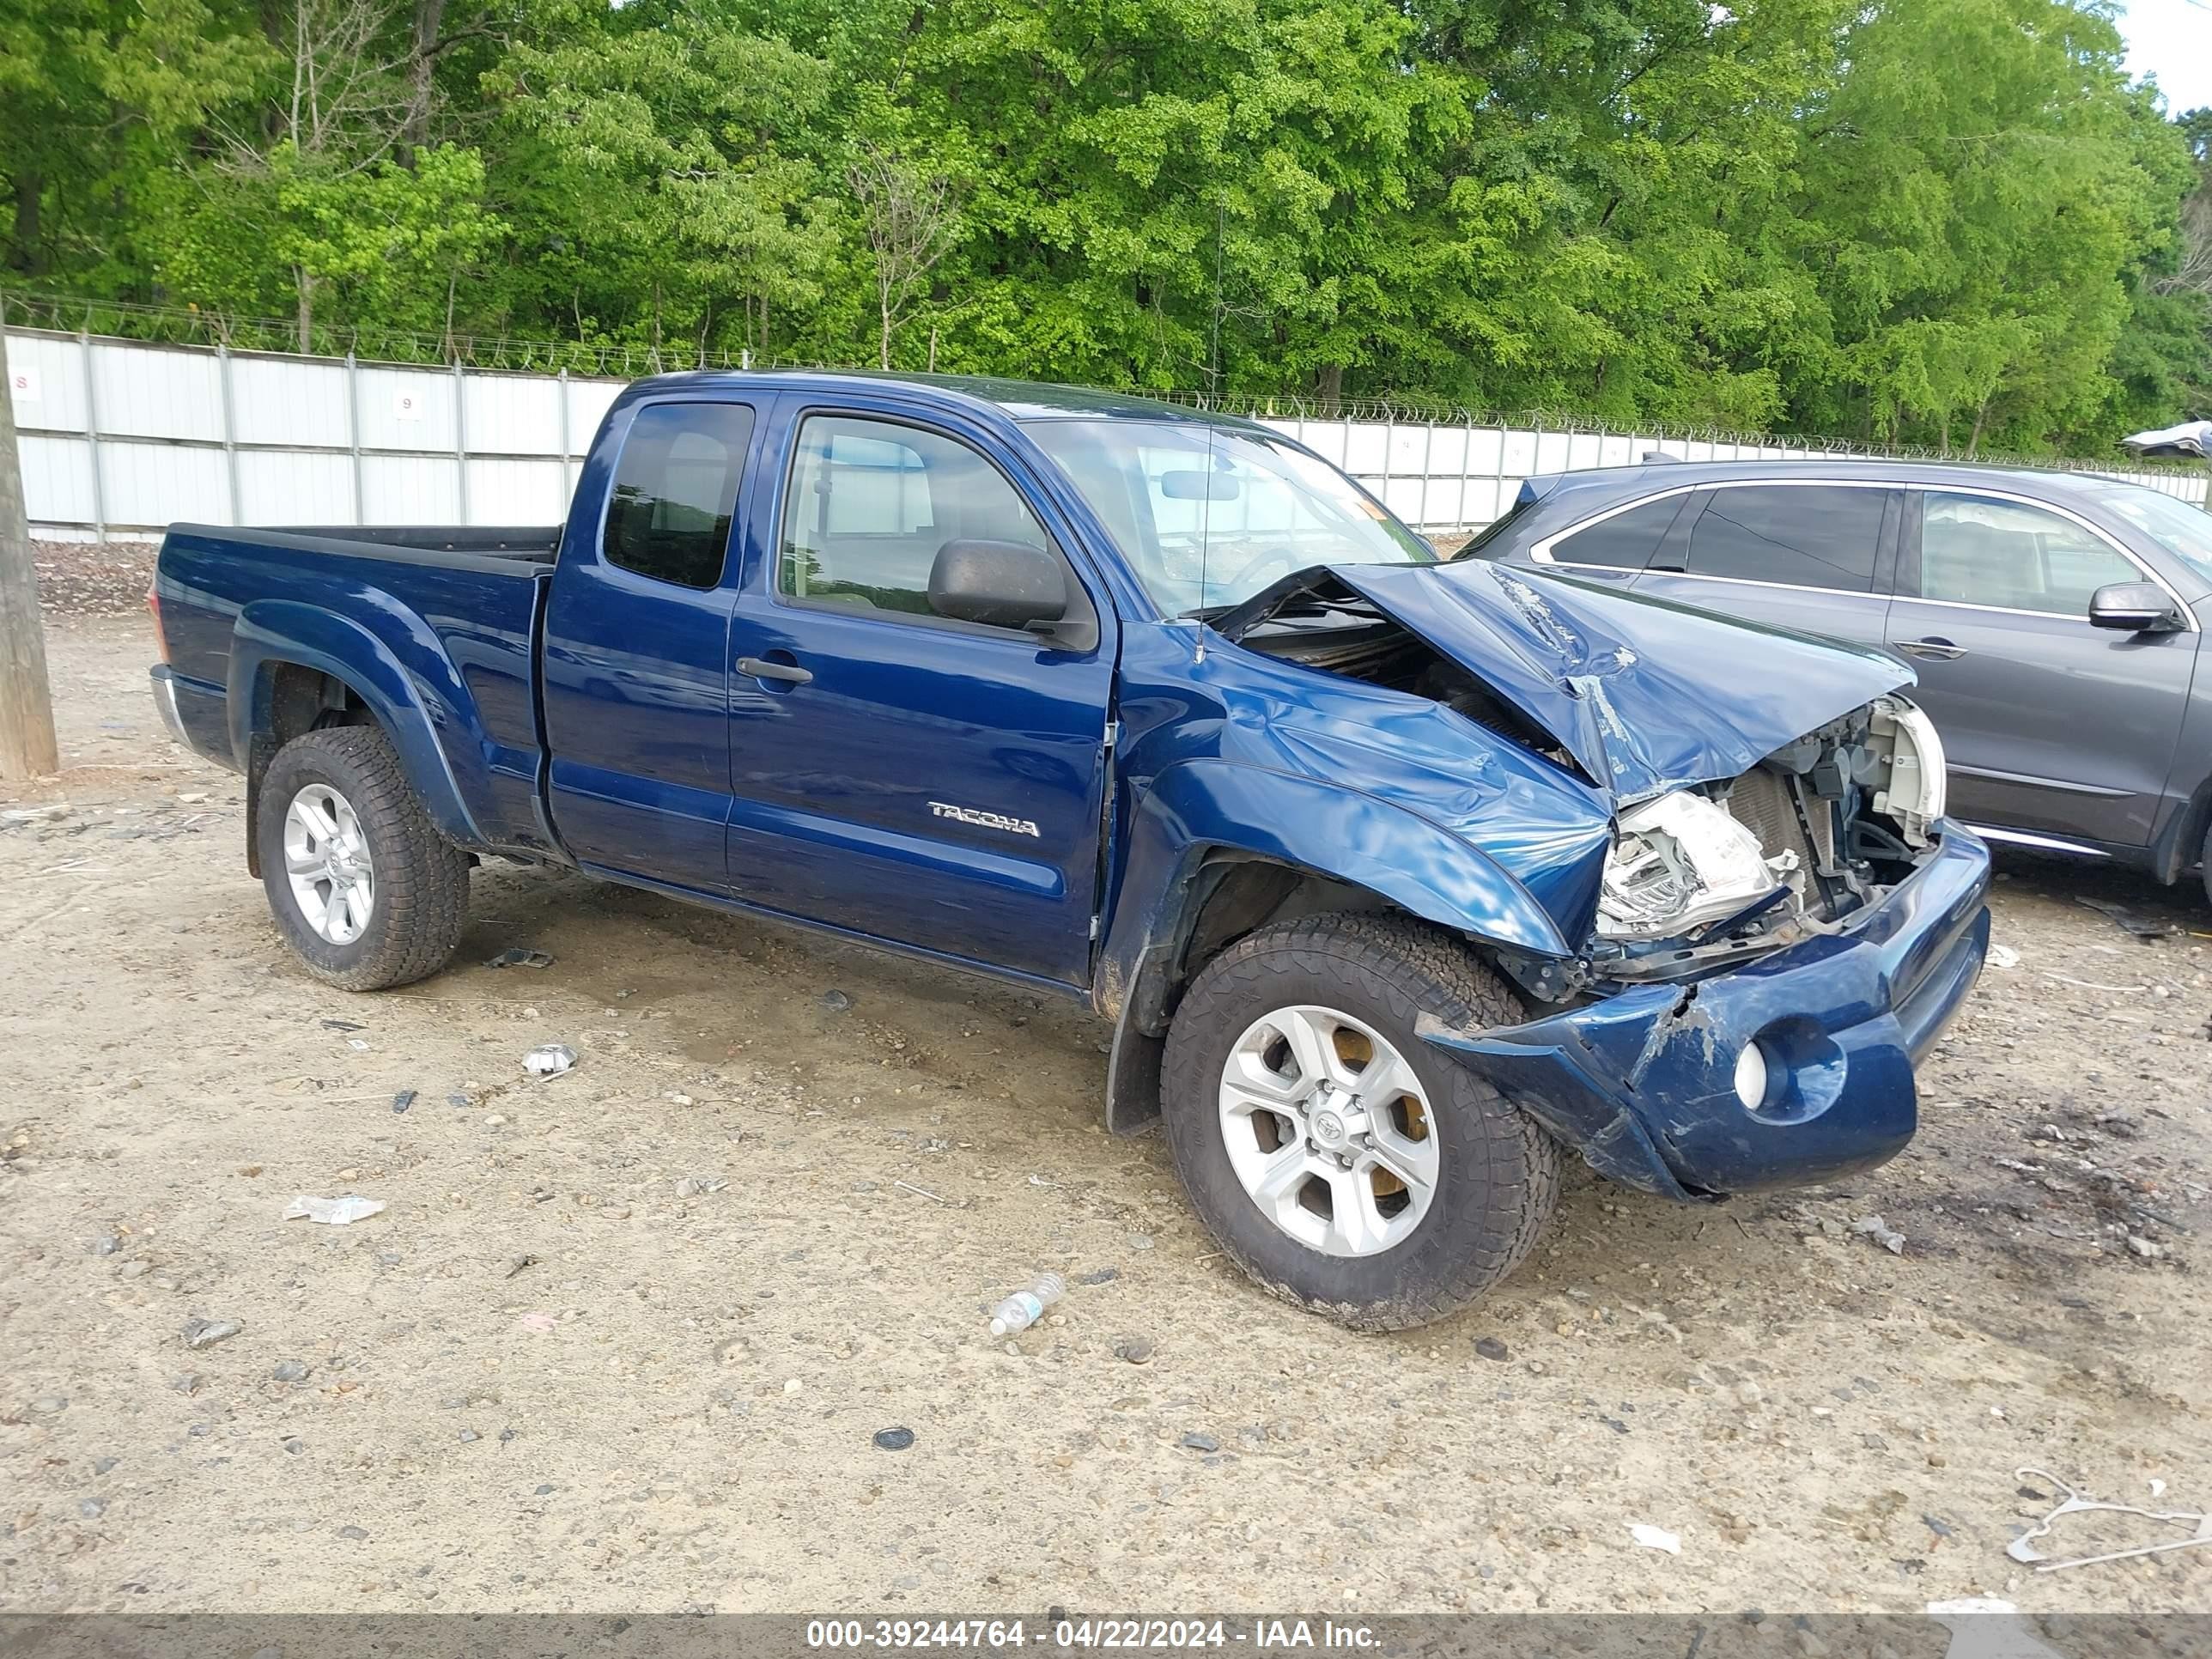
(84,579)
(625,1339)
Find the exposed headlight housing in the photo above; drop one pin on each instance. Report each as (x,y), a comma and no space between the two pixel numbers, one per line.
(1912,796)
(1678,861)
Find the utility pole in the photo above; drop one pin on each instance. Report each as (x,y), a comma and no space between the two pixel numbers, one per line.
(28,749)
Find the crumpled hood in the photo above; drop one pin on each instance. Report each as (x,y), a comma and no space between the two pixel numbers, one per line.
(1649,696)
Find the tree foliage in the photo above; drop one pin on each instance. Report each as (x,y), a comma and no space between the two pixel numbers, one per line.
(1948,221)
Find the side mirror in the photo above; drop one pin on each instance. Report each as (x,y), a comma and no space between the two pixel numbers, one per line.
(2133,608)
(1009,585)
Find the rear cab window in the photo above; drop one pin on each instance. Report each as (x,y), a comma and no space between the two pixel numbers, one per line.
(1825,536)
(676,492)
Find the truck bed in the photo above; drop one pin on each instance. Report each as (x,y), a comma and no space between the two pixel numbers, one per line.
(523,543)
(450,609)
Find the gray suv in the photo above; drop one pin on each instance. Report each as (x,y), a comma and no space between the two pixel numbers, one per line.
(2055,619)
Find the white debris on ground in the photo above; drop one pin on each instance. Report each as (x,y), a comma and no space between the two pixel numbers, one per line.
(1875,1228)
(2023,1548)
(333,1211)
(550,1060)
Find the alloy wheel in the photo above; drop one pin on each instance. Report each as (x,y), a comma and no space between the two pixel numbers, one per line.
(1329,1131)
(327,862)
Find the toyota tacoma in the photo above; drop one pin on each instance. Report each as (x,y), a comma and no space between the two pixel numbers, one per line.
(1397,878)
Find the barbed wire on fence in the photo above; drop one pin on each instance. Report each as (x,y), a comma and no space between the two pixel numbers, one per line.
(194,326)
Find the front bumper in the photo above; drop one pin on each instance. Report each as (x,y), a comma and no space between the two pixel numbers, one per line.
(1643,1083)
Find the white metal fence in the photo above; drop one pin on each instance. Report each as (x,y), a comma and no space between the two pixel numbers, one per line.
(121,438)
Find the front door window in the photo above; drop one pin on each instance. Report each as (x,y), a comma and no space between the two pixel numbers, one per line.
(1982,549)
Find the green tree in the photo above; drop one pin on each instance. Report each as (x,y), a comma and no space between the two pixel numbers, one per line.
(667,161)
(100,97)
(2163,361)
(1973,233)
(1950,221)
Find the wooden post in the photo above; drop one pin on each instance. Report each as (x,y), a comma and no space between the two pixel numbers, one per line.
(27,748)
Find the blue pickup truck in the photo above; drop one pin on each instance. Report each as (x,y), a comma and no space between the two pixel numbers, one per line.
(1395,876)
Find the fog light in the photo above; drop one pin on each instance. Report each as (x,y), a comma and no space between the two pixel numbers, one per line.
(1751,1076)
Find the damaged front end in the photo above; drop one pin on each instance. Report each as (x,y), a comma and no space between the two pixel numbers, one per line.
(1771,956)
(1784,921)
(1813,832)
(1788,1069)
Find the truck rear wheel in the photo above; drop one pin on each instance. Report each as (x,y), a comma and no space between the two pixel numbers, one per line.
(1338,1159)
(364,889)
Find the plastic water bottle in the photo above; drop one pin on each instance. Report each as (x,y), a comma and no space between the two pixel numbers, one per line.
(1024,1308)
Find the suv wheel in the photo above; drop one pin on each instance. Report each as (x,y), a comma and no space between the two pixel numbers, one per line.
(1340,1160)
(364,889)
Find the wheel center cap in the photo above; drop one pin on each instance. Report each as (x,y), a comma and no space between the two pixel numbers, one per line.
(1335,1119)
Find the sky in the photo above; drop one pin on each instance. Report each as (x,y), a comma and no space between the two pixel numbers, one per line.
(2171,39)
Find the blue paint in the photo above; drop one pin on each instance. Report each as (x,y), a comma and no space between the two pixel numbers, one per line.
(1615,677)
(442,652)
(1643,1082)
(838,784)
(1006,803)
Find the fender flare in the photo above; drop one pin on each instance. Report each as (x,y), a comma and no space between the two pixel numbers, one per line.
(411,704)
(1198,811)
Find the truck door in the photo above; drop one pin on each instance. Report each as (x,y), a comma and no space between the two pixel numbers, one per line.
(635,677)
(927,781)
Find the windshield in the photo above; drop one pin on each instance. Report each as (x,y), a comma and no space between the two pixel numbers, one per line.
(2182,529)
(1208,516)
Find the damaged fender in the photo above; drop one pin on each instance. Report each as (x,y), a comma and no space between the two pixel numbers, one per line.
(1644,1084)
(1201,810)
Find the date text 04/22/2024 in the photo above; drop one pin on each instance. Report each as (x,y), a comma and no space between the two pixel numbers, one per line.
(1086,1633)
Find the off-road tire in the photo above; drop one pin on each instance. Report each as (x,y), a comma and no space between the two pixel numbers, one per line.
(422,902)
(1499,1176)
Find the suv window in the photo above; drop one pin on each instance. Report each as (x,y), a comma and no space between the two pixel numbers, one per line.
(872,502)
(1806,535)
(1979,550)
(1624,541)
(676,491)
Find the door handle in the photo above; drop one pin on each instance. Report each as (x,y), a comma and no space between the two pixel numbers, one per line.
(761,668)
(1936,646)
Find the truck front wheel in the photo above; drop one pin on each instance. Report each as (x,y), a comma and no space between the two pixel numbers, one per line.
(1338,1159)
(364,889)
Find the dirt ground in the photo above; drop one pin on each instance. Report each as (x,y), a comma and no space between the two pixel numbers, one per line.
(622,1339)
